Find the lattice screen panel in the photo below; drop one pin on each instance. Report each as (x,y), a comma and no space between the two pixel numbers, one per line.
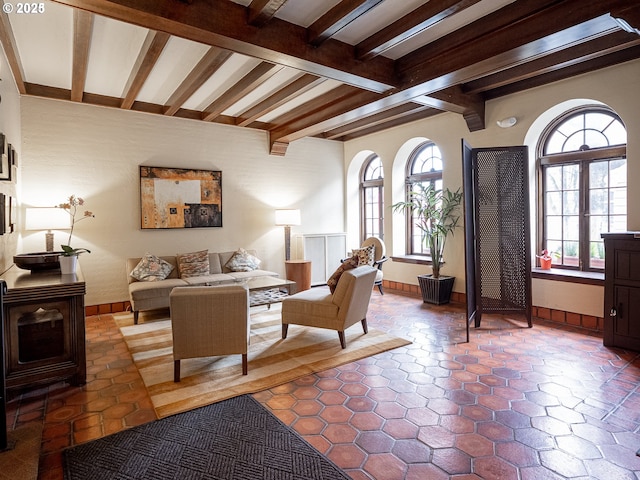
(503,263)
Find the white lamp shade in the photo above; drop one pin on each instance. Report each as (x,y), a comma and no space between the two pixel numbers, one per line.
(288,217)
(47,218)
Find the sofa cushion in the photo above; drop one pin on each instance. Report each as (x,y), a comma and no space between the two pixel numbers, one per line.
(148,290)
(252,274)
(242,261)
(211,279)
(193,264)
(151,268)
(348,264)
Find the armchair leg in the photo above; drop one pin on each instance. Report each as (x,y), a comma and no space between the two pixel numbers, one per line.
(343,342)
(176,371)
(380,288)
(135,317)
(285,328)
(244,364)
(364,325)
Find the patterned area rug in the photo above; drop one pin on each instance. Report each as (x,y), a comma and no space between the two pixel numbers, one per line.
(272,361)
(237,438)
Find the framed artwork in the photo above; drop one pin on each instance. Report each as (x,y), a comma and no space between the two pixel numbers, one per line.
(13,214)
(3,221)
(180,198)
(5,167)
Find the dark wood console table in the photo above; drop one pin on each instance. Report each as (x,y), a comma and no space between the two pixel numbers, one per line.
(44,328)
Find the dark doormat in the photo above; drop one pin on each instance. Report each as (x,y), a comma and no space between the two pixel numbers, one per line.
(233,439)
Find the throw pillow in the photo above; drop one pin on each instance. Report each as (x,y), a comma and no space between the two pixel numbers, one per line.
(348,264)
(151,269)
(367,255)
(243,261)
(194,264)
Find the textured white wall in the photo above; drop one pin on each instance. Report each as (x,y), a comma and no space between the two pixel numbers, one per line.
(10,126)
(617,87)
(95,153)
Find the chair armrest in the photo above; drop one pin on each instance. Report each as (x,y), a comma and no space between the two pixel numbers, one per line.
(379,263)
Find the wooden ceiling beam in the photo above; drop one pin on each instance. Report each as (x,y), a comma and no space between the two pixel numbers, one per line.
(294,89)
(211,61)
(151,50)
(260,12)
(598,47)
(413,23)
(249,82)
(338,18)
(223,23)
(11,51)
(413,117)
(82,29)
(398,112)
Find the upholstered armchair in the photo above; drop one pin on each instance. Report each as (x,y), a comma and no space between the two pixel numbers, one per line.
(209,321)
(339,310)
(376,259)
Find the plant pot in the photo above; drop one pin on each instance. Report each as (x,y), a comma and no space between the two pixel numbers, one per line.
(436,290)
(68,264)
(545,263)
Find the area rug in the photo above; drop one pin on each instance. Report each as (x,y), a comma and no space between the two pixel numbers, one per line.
(20,460)
(236,438)
(272,361)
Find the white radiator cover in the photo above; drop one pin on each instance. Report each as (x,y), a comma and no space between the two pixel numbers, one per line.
(325,250)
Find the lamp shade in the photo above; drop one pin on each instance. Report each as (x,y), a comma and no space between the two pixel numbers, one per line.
(288,217)
(46,218)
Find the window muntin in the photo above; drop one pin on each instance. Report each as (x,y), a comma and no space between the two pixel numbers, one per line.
(372,198)
(584,182)
(424,166)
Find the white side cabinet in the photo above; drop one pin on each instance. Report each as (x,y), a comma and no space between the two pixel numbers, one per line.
(325,250)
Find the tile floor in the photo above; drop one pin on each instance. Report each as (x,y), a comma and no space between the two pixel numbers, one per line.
(515,403)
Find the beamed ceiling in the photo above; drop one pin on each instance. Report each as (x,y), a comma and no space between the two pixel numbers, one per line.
(335,69)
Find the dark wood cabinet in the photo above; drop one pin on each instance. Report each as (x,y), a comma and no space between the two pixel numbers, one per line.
(622,290)
(44,327)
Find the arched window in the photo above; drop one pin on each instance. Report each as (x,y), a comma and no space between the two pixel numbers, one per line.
(372,198)
(583,184)
(424,166)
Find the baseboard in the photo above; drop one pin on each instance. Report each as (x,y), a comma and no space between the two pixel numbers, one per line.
(557,316)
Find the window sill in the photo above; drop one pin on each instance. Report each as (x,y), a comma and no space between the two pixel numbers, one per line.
(415,259)
(569,276)
(555,274)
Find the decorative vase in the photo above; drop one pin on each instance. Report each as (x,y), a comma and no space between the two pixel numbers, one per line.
(436,290)
(68,264)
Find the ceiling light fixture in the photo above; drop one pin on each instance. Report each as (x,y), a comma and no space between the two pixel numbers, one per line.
(507,122)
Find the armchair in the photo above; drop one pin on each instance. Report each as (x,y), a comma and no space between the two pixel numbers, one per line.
(209,321)
(318,307)
(379,257)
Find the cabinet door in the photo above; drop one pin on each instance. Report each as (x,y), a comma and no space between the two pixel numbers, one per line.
(626,321)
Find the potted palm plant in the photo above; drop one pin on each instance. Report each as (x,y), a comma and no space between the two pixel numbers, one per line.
(436,212)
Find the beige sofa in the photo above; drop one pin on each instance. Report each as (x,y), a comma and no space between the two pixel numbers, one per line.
(152,295)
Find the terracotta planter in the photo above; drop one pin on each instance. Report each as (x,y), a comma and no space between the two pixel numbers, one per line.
(545,263)
(436,290)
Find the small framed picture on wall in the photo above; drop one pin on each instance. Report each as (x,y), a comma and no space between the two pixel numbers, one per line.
(5,167)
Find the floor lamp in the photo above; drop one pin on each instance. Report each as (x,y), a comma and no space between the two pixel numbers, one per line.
(286,218)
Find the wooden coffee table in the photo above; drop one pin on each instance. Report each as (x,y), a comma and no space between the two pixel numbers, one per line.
(268,290)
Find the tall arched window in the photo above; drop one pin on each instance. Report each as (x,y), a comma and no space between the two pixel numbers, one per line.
(372,198)
(424,166)
(583,180)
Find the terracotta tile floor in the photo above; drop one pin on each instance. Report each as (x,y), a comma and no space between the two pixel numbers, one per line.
(514,403)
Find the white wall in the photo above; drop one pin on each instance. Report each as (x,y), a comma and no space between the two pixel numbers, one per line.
(95,153)
(617,87)
(10,126)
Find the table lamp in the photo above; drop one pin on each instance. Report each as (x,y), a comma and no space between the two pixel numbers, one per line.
(287,218)
(47,218)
